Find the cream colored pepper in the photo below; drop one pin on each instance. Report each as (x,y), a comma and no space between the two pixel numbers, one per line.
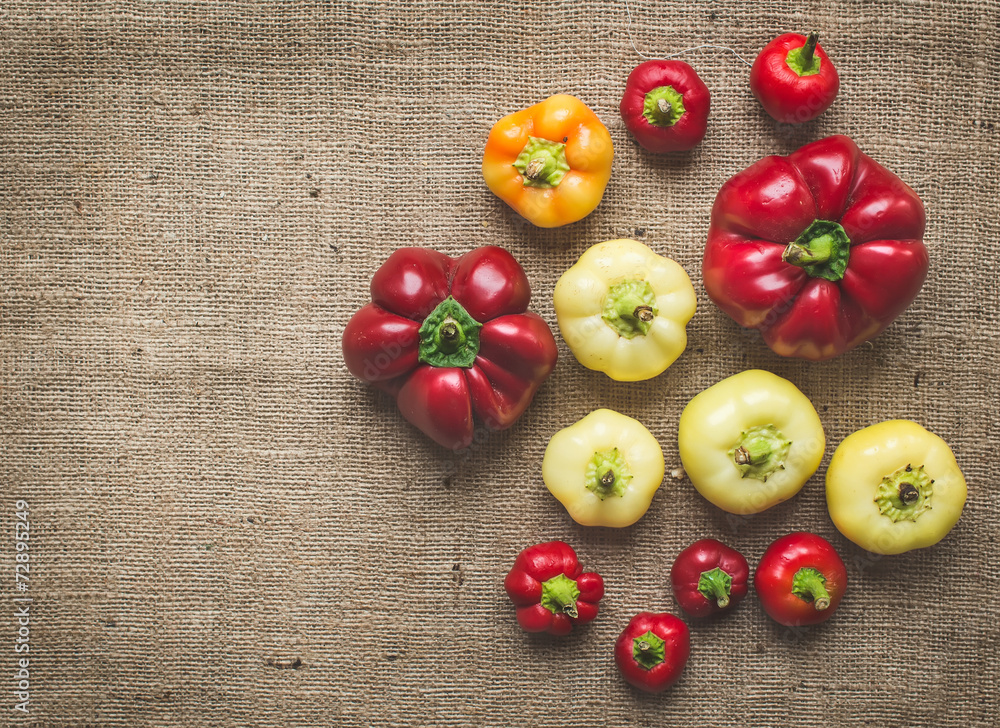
(893,487)
(623,309)
(604,469)
(750,441)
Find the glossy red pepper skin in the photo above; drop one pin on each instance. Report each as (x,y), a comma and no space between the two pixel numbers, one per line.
(516,353)
(676,649)
(776,572)
(784,94)
(689,129)
(525,582)
(759,211)
(703,557)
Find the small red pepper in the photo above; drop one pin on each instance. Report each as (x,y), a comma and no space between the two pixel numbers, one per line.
(652,650)
(550,590)
(794,79)
(450,339)
(800,580)
(819,250)
(708,577)
(665,106)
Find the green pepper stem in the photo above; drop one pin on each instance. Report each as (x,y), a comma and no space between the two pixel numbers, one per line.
(449,336)
(648,650)
(559,595)
(542,163)
(803,60)
(905,494)
(801,256)
(607,474)
(808,585)
(716,585)
(822,250)
(753,452)
(534,168)
(663,106)
(630,307)
(760,452)
(809,48)
(644,314)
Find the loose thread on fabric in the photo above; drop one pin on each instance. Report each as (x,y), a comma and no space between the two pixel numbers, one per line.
(628,29)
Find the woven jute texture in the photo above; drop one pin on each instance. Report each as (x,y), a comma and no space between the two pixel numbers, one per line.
(227,529)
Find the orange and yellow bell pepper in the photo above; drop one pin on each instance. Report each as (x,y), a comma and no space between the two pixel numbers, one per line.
(550,162)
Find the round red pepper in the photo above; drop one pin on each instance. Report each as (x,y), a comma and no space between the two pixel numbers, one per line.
(819,250)
(652,650)
(800,580)
(450,339)
(794,79)
(665,106)
(708,577)
(550,590)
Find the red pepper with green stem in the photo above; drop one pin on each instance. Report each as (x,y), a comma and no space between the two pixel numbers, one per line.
(800,580)
(794,79)
(819,250)
(452,341)
(550,590)
(665,106)
(708,577)
(652,650)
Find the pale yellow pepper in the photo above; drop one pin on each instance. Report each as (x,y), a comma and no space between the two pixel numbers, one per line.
(604,469)
(623,309)
(894,487)
(750,442)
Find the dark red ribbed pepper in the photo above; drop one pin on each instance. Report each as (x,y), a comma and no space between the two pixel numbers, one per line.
(550,590)
(708,577)
(451,340)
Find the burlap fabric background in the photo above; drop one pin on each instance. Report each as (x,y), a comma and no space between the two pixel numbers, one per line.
(229,530)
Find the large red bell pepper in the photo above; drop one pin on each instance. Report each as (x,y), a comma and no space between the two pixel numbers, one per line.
(819,250)
(451,339)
